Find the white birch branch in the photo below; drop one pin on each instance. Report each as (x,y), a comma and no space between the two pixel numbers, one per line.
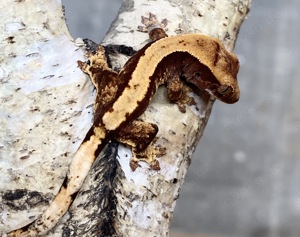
(46,109)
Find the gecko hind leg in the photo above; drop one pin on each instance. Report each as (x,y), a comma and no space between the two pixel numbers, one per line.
(140,136)
(103,77)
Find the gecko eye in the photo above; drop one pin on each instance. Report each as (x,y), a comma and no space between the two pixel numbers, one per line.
(88,62)
(224,89)
(197,75)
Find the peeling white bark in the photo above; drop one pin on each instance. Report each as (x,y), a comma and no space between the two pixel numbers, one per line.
(42,94)
(46,110)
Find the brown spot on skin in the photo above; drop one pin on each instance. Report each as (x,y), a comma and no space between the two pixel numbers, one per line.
(136,86)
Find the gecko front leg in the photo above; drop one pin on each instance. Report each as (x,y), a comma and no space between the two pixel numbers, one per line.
(155,29)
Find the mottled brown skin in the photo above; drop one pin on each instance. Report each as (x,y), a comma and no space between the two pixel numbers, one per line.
(123,97)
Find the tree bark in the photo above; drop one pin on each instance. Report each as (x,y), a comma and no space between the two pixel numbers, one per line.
(46,110)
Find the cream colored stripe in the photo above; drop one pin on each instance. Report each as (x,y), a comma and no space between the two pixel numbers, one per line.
(83,160)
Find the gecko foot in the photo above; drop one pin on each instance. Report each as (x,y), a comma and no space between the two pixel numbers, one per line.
(185,100)
(149,155)
(151,22)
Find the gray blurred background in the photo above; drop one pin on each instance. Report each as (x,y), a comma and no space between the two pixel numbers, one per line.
(244,177)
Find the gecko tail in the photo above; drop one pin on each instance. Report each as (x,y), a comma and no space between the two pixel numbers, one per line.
(79,169)
(49,219)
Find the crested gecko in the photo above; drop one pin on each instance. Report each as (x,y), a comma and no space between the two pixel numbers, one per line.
(122,97)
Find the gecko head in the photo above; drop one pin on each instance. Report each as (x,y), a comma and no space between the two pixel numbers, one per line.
(214,70)
(224,87)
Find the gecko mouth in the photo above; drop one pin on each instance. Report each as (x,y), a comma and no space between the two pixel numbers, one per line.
(224,89)
(225,93)
(228,94)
